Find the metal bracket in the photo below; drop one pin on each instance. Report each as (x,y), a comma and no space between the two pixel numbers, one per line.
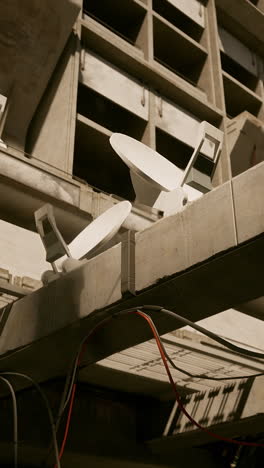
(194,177)
(51,237)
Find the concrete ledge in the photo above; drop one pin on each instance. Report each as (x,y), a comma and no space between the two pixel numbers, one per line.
(91,287)
(189,262)
(248,194)
(203,229)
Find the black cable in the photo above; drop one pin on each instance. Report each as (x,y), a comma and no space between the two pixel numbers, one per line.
(45,400)
(206,377)
(71,379)
(198,376)
(204,331)
(14,403)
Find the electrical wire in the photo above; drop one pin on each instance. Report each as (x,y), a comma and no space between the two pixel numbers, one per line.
(45,400)
(70,385)
(206,377)
(202,376)
(14,403)
(204,331)
(164,356)
(71,376)
(67,423)
(177,395)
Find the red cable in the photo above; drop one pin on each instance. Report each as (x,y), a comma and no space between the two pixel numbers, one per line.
(178,398)
(67,423)
(80,356)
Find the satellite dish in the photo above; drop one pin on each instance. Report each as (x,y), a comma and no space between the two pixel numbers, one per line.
(152,174)
(98,232)
(156,180)
(147,163)
(86,243)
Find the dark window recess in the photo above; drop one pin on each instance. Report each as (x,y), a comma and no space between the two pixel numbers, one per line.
(172,149)
(177,53)
(204,165)
(179,19)
(110,115)
(238,99)
(238,72)
(125,18)
(97,164)
(179,153)
(255,2)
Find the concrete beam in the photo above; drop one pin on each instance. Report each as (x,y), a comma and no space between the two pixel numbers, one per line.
(190,262)
(176,243)
(123,55)
(233,410)
(168,446)
(226,403)
(244,20)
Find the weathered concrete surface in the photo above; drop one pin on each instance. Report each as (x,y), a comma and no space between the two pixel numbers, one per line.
(248,193)
(245,134)
(123,55)
(253,308)
(50,136)
(22,252)
(234,410)
(229,402)
(25,186)
(62,303)
(244,427)
(223,274)
(246,21)
(198,232)
(200,292)
(32,37)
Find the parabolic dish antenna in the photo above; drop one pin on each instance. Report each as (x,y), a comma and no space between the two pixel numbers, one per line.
(147,163)
(98,232)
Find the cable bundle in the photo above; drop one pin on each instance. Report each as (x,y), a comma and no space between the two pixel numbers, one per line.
(69,391)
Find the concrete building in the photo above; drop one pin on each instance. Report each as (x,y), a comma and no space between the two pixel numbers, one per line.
(72,72)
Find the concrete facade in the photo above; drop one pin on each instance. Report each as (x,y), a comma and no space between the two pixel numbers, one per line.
(73,72)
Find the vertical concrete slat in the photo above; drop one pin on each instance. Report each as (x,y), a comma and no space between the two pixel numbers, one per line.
(128,262)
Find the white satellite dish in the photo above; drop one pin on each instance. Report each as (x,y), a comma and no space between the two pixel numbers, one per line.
(147,163)
(153,175)
(156,180)
(98,232)
(86,243)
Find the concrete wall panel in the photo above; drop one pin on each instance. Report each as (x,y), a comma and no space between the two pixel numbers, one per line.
(52,129)
(86,289)
(203,229)
(115,85)
(248,190)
